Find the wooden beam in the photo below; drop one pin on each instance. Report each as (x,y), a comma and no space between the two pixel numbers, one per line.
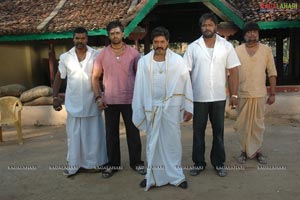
(52,15)
(216,11)
(279,57)
(1,139)
(52,61)
(147,41)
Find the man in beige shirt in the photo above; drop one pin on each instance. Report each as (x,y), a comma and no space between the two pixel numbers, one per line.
(256,60)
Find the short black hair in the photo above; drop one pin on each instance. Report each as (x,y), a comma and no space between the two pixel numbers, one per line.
(114,24)
(250,26)
(160,31)
(207,16)
(80,30)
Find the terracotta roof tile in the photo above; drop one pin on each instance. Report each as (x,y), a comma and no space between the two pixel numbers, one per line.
(24,16)
(21,16)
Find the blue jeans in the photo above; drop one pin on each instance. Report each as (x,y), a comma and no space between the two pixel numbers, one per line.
(215,111)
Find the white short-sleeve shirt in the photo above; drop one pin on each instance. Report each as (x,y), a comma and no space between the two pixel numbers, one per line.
(79,100)
(208,73)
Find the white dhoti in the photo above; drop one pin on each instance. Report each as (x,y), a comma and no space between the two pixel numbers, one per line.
(86,142)
(164,149)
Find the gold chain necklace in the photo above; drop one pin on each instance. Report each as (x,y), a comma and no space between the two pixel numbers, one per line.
(161,66)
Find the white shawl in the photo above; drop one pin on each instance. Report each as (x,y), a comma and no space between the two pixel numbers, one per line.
(178,88)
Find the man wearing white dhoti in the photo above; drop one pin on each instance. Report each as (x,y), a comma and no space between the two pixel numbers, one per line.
(162,98)
(85,128)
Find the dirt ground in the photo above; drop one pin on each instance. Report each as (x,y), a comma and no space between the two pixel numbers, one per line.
(26,170)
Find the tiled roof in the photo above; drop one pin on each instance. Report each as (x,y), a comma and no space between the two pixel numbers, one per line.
(265,10)
(18,17)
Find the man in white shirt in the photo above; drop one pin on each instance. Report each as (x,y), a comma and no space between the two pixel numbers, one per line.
(208,58)
(85,128)
(162,98)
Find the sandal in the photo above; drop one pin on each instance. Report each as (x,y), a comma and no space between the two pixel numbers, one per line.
(107,173)
(242,158)
(196,170)
(221,172)
(261,158)
(183,185)
(143,183)
(67,173)
(140,169)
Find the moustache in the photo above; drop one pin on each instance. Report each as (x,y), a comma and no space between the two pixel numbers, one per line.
(159,48)
(252,40)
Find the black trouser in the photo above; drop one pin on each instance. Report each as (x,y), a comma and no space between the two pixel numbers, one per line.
(112,121)
(215,112)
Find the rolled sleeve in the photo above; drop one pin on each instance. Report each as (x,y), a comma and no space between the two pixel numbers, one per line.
(232,59)
(62,68)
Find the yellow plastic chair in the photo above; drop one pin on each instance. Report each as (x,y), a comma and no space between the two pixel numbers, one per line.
(10,113)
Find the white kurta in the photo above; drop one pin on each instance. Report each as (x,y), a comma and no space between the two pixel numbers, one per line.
(85,127)
(158,104)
